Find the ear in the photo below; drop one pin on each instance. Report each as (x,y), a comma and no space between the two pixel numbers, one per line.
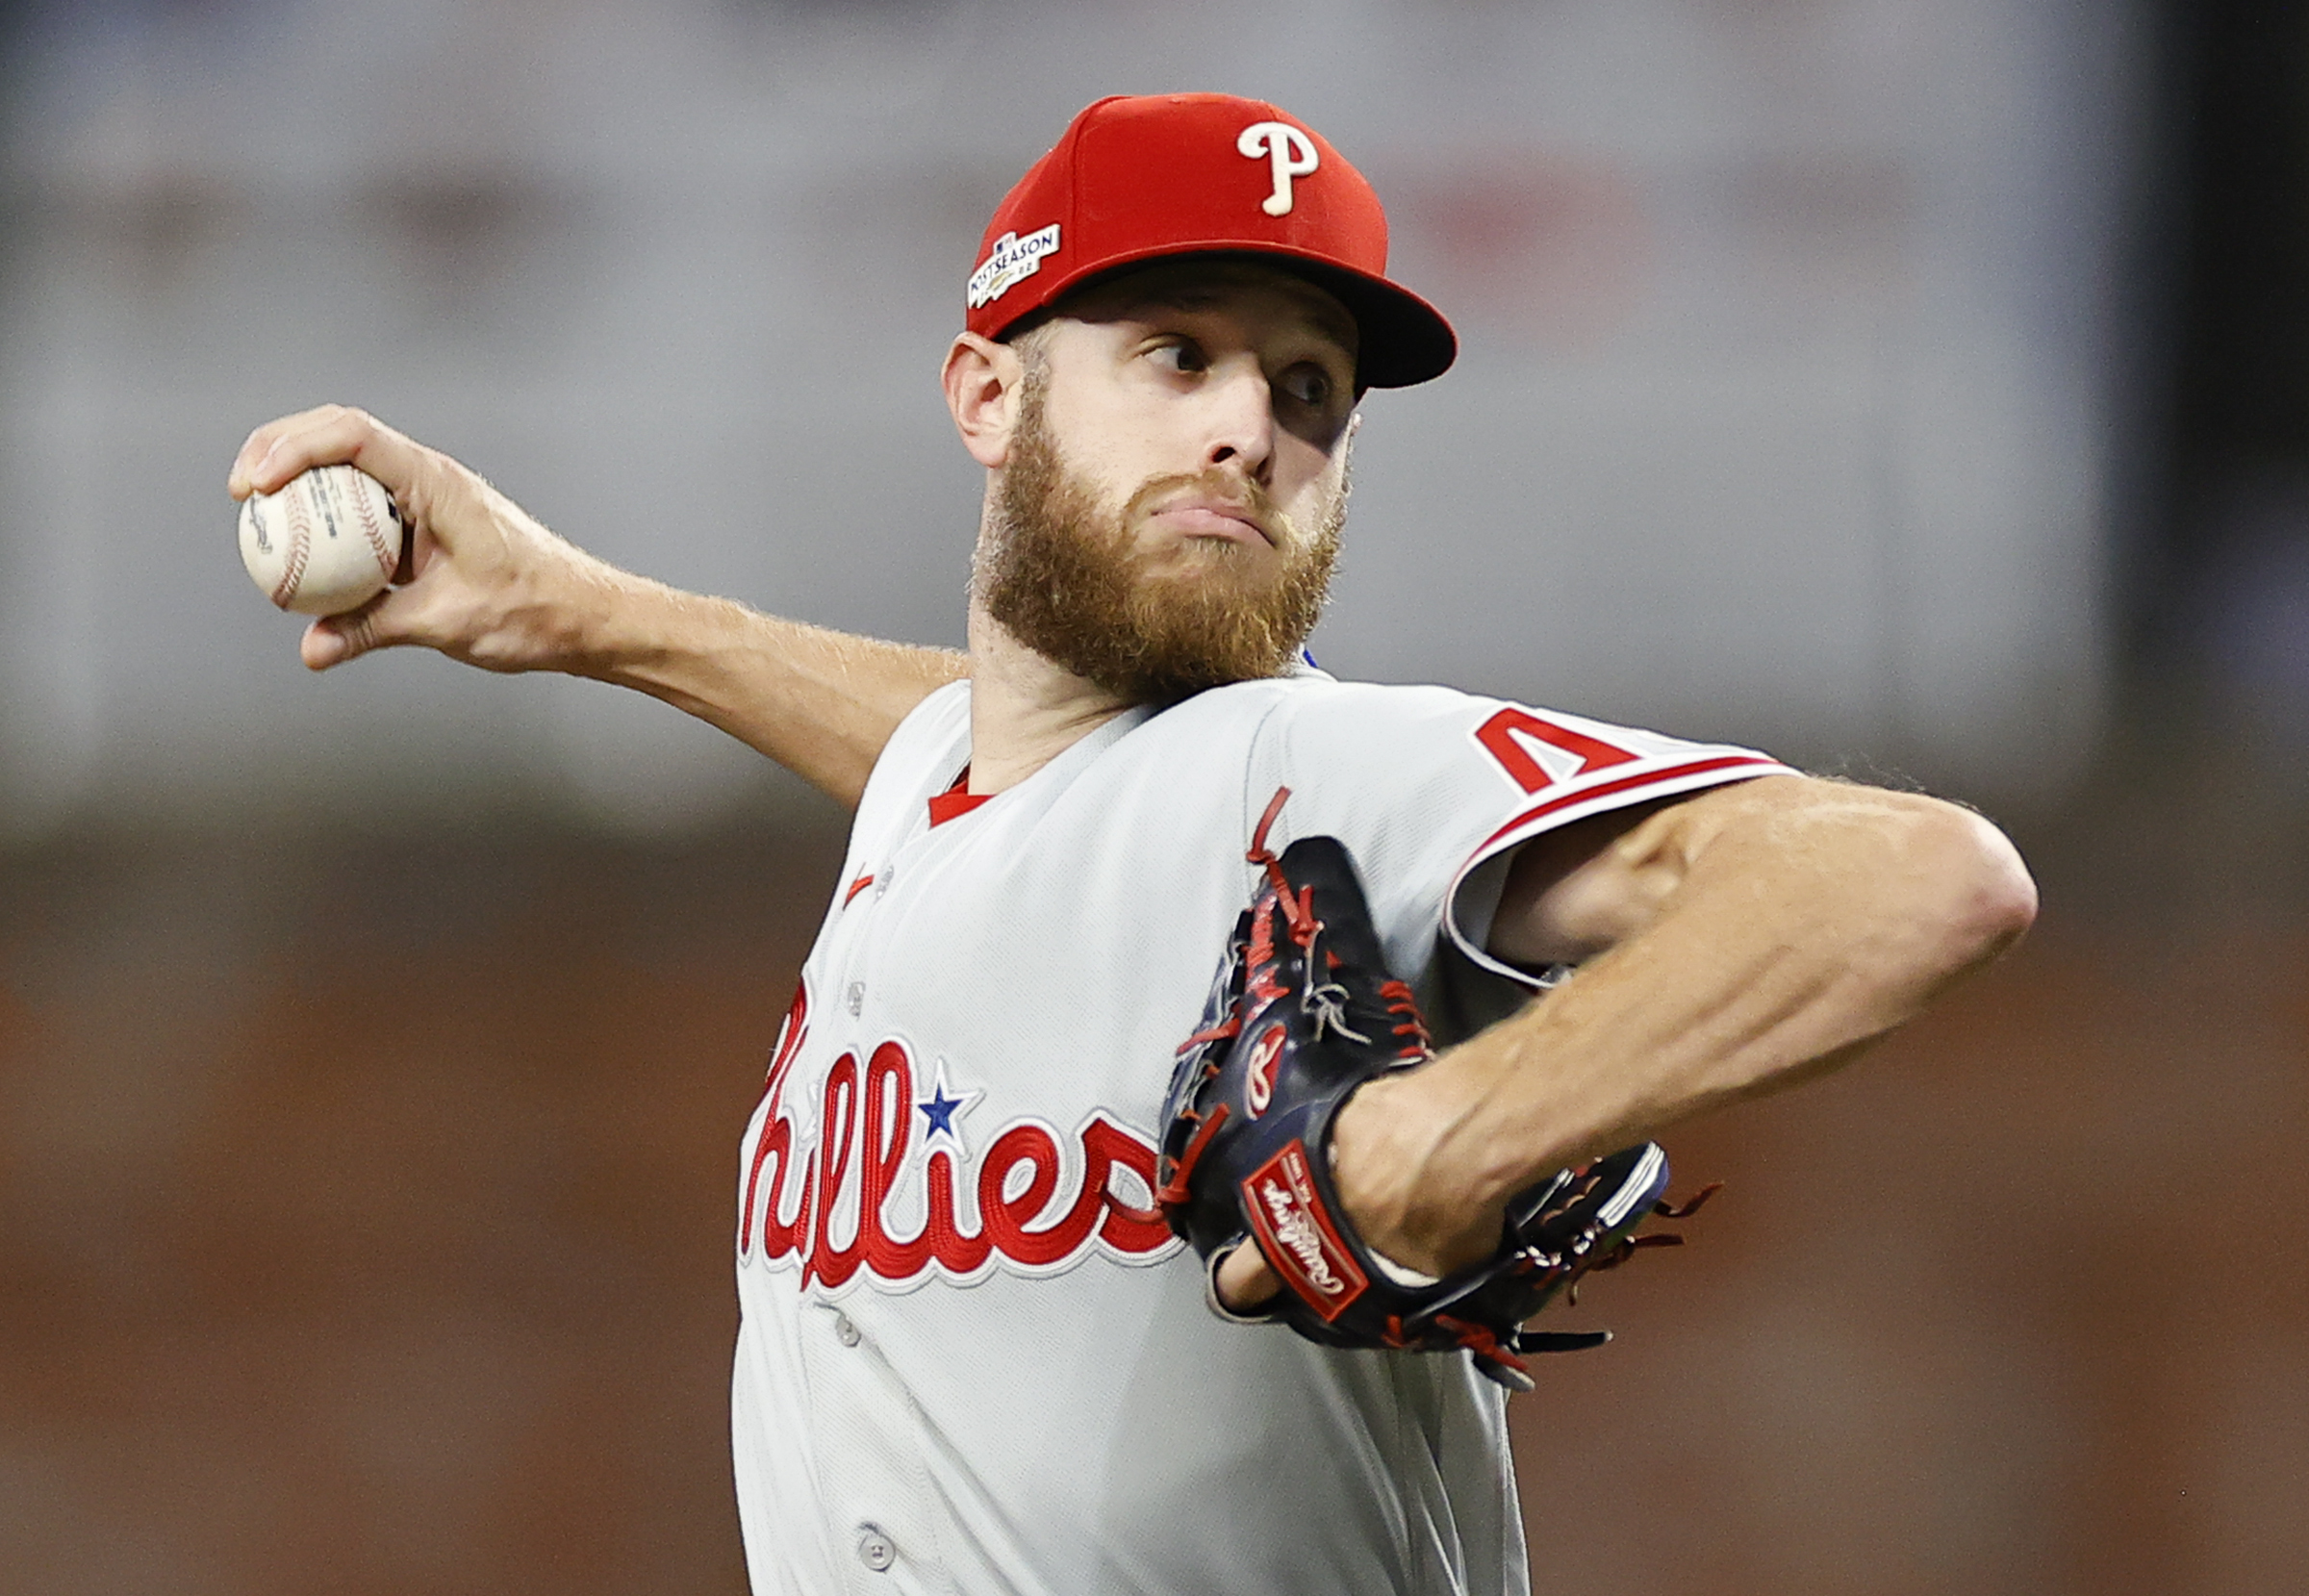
(981,380)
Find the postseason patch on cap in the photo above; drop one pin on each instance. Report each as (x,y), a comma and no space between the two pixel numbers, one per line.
(1013,259)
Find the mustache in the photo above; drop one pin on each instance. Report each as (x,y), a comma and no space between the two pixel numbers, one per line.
(1215,487)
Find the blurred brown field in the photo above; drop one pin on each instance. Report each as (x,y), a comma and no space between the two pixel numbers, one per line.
(364,1210)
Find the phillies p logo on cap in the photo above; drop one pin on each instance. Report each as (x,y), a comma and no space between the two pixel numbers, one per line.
(1153,177)
(1294,155)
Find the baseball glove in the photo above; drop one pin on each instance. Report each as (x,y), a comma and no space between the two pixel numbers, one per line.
(1302,1012)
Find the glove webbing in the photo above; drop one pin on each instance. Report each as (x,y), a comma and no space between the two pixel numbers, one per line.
(1327,1001)
(1174,1193)
(1572,1262)
(1299,912)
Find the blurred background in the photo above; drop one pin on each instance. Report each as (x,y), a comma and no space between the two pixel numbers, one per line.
(1919,390)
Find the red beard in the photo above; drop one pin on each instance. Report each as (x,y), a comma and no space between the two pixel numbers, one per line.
(1063,577)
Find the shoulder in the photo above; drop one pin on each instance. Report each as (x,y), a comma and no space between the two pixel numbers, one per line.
(1312,729)
(1316,711)
(946,705)
(1313,703)
(931,729)
(924,754)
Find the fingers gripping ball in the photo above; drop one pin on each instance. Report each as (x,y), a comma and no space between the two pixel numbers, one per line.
(1302,1013)
(328,542)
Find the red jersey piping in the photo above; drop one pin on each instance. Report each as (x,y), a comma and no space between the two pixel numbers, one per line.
(956,800)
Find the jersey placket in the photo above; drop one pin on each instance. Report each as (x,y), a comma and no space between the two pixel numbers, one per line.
(880,1511)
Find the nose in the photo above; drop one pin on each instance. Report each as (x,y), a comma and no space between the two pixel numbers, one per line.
(1240,421)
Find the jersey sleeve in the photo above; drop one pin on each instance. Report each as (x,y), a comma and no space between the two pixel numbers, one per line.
(1433,790)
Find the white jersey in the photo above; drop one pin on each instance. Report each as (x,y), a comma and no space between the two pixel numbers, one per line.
(970,1360)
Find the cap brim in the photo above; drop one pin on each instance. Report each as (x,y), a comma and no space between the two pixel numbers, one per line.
(1402,339)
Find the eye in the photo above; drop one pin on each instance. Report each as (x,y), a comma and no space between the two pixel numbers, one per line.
(1180,355)
(1308,385)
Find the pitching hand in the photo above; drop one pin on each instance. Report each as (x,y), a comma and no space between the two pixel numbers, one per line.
(1378,1142)
(480,579)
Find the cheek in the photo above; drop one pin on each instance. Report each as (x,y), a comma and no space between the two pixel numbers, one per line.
(1312,488)
(1104,479)
(1115,418)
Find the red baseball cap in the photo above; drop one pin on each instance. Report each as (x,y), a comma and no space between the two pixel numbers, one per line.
(1141,177)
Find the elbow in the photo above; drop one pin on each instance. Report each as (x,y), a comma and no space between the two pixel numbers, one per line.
(1984,900)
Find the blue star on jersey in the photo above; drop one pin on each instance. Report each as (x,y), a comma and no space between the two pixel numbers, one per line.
(940,1110)
(943,1107)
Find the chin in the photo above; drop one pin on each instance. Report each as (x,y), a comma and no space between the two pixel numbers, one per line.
(1242,563)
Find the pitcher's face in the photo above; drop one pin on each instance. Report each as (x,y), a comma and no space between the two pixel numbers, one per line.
(1168,515)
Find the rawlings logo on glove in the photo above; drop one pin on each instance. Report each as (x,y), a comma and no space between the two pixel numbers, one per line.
(1297,1233)
(1302,1013)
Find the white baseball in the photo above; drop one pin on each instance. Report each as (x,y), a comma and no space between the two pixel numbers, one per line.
(326,543)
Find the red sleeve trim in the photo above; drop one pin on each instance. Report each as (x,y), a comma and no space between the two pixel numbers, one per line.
(1692,776)
(856,887)
(1586,794)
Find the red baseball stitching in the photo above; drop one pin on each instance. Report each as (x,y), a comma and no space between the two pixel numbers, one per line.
(300,549)
(386,558)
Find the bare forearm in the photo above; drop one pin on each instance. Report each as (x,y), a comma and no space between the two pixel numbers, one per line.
(820,702)
(491,586)
(1795,933)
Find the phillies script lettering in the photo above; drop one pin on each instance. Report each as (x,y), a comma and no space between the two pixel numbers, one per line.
(882,1184)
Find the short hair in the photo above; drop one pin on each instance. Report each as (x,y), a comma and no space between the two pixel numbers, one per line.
(1032,336)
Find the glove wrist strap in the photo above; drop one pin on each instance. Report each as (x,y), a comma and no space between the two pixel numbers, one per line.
(1411,1279)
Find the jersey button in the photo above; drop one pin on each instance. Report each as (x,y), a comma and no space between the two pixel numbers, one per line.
(845,1331)
(875,1550)
(857,996)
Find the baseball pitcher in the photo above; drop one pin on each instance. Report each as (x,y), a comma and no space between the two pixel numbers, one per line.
(1205,1068)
